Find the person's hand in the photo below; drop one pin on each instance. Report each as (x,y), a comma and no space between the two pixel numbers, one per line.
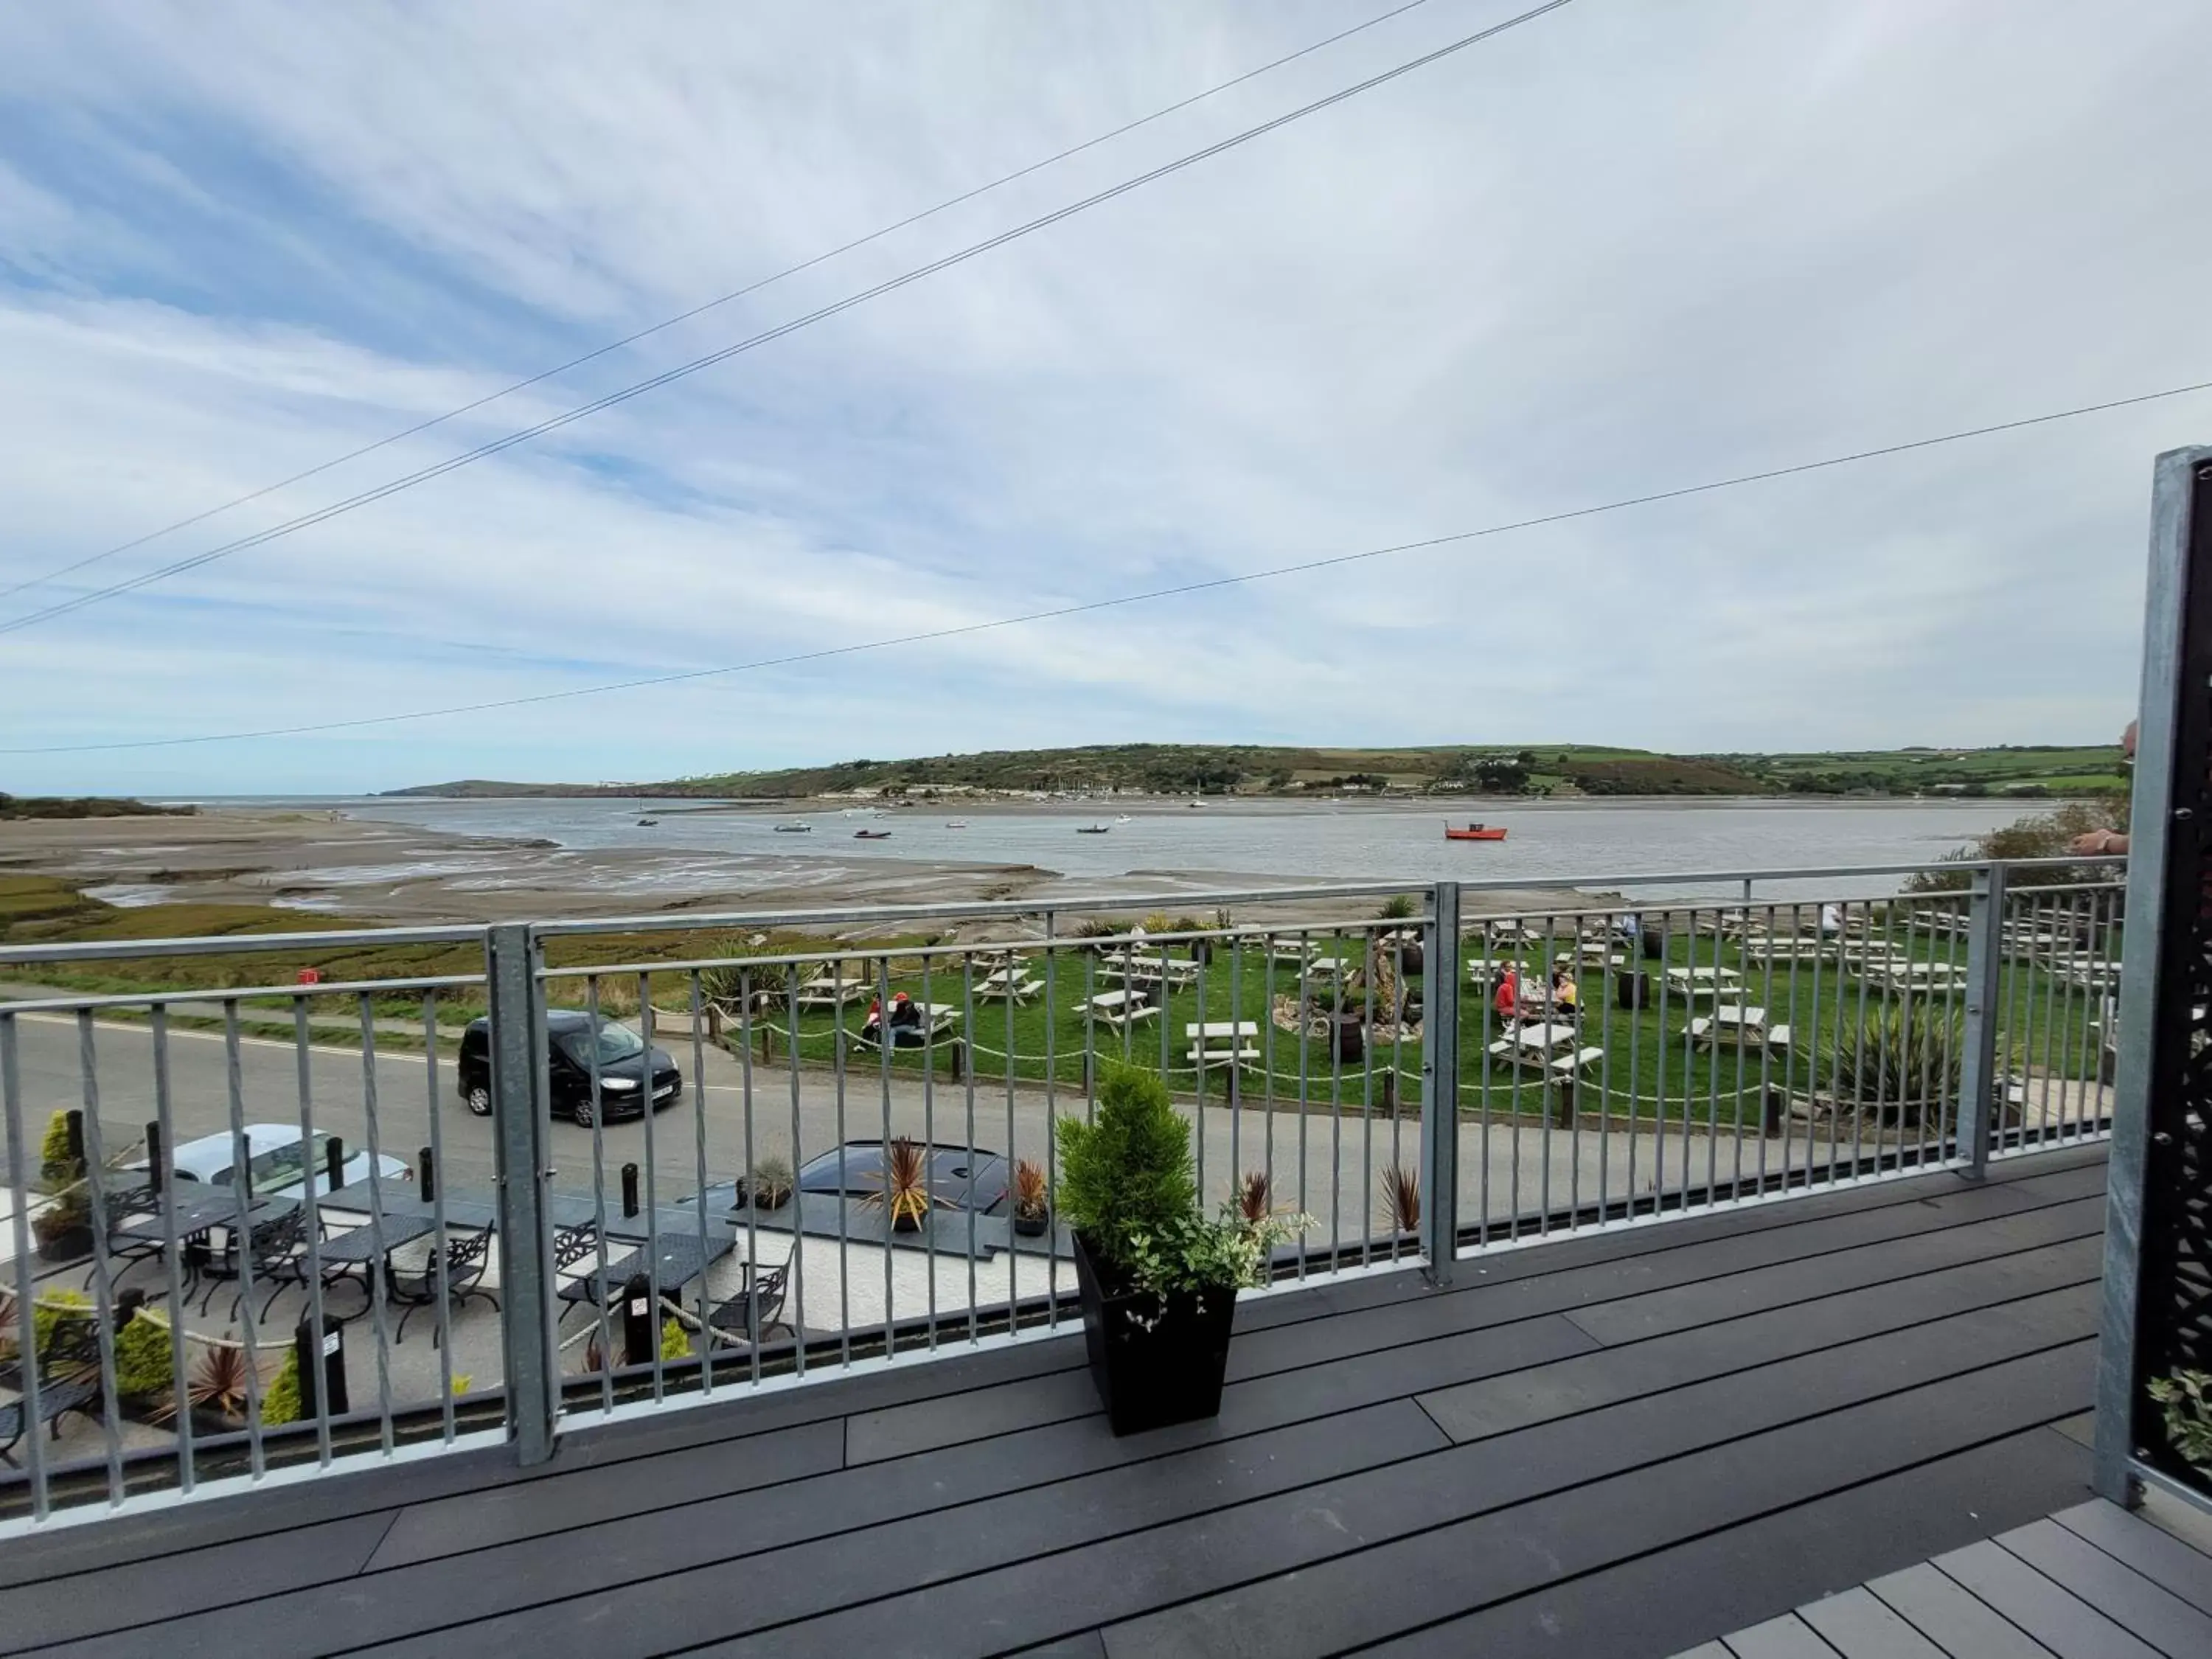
(2099,843)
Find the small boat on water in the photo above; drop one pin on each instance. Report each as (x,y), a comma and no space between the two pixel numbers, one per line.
(1124,818)
(955,823)
(1093,828)
(797,828)
(647,824)
(1474,832)
(872,835)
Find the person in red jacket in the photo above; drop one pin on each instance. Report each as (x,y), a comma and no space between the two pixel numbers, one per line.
(1508,1000)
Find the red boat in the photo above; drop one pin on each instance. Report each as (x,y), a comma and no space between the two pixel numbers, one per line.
(1473,832)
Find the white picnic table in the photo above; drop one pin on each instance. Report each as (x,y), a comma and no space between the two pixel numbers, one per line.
(1690,982)
(1534,1038)
(1123,1007)
(1012,983)
(1221,1042)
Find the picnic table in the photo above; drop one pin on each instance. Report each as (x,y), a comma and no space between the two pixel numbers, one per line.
(934,1020)
(1690,983)
(1536,1038)
(679,1256)
(1728,1022)
(1123,1008)
(1012,983)
(1206,1043)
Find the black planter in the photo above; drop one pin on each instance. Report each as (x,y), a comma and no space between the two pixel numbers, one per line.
(1154,1362)
(1035,1226)
(1633,990)
(70,1244)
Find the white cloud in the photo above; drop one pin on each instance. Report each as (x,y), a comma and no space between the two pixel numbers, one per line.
(1617,251)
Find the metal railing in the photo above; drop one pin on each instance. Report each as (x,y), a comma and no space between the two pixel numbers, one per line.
(264,1230)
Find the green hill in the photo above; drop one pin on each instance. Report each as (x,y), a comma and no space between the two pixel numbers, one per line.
(1259,770)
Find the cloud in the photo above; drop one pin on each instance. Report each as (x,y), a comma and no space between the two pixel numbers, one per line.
(1615,252)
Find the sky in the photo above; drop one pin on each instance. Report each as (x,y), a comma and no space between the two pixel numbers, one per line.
(1617,250)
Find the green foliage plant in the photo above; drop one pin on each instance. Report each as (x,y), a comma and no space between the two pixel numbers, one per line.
(279,1401)
(1398,907)
(2186,1398)
(1895,1065)
(50,1309)
(145,1356)
(1126,1187)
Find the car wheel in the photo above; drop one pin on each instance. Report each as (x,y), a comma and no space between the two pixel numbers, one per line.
(582,1111)
(479,1100)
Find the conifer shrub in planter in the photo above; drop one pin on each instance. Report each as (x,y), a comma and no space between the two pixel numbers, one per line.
(1157,1280)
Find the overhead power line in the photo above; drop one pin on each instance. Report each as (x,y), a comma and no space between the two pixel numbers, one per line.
(1089,606)
(754,287)
(423,475)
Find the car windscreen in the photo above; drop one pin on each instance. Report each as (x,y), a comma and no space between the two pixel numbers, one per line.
(617,1042)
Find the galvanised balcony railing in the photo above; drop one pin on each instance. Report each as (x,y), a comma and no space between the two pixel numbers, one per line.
(498,1243)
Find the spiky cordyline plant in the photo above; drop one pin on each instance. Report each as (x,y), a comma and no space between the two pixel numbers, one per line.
(901,1186)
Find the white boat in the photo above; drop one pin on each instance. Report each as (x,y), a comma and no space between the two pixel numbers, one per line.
(1124,818)
(955,823)
(797,828)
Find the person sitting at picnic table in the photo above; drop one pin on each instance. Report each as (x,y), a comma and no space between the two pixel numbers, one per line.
(906,1013)
(1508,1000)
(1566,994)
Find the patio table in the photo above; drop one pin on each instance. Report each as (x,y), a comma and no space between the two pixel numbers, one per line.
(681,1261)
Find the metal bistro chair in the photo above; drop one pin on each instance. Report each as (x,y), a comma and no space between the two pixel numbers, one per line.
(467,1254)
(271,1246)
(754,1311)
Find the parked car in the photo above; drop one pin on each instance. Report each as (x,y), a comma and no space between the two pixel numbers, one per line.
(622,1064)
(275,1161)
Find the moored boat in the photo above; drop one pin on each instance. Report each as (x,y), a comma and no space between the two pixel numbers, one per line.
(1474,832)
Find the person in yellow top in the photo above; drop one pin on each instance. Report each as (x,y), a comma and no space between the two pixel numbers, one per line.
(1565,993)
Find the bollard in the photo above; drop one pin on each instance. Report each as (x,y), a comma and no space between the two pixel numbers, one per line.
(1778,1109)
(334,1156)
(1566,1112)
(425,1179)
(321,1376)
(959,1060)
(127,1303)
(75,1119)
(1391,1092)
(630,1189)
(639,1345)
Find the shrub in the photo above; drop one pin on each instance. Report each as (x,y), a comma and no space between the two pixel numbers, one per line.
(2045,836)
(770,1184)
(1896,1065)
(279,1401)
(50,1309)
(1127,1171)
(1126,1186)
(145,1356)
(675,1340)
(1032,1192)
(58,1167)
(2186,1397)
(1398,907)
(1256,1197)
(1402,1197)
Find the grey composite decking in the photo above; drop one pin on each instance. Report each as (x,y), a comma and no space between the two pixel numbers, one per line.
(1620,1445)
(2092,1581)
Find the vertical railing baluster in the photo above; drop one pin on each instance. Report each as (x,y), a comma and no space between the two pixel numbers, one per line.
(27,1343)
(1440,971)
(374,1270)
(1977,1083)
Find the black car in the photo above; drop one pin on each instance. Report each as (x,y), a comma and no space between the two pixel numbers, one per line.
(568,1065)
